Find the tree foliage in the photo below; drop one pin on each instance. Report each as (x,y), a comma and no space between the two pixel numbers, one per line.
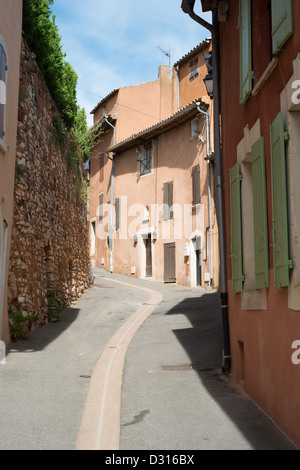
(42,36)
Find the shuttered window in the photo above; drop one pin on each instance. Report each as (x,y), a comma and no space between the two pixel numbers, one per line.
(168,200)
(100,208)
(246,73)
(282,263)
(282,23)
(3,76)
(118,212)
(196,185)
(260,215)
(236,229)
(101,175)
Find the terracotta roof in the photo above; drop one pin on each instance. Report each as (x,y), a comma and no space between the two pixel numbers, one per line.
(180,116)
(107,97)
(193,51)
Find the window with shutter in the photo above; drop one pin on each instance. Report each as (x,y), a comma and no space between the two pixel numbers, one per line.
(196,185)
(246,73)
(100,208)
(236,229)
(118,212)
(3,77)
(168,201)
(260,215)
(282,23)
(101,176)
(282,263)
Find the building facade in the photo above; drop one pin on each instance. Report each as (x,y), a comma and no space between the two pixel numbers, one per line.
(127,174)
(259,101)
(164,225)
(10,49)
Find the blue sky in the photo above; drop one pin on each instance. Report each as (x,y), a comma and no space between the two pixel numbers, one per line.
(116,43)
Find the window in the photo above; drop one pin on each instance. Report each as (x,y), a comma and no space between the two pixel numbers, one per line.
(101,176)
(260,215)
(145,160)
(168,201)
(265,27)
(100,208)
(246,74)
(236,229)
(3,81)
(194,127)
(194,69)
(282,263)
(196,185)
(118,212)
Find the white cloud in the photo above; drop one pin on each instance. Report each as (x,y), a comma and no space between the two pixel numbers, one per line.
(111,44)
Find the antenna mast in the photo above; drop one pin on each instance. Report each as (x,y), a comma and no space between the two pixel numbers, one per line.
(168,54)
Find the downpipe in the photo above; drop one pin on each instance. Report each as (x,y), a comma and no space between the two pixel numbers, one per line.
(188,7)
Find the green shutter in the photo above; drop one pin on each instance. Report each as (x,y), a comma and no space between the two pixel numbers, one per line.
(236,229)
(282,23)
(260,215)
(282,263)
(246,73)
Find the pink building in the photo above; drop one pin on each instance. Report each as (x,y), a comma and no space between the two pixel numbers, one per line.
(152,212)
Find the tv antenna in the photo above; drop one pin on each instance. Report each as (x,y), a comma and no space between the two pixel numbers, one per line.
(168,54)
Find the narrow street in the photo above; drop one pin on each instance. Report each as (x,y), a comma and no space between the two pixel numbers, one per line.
(172,397)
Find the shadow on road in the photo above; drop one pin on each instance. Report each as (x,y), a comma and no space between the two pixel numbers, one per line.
(204,344)
(41,337)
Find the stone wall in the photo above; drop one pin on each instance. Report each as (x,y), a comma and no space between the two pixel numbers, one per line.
(49,254)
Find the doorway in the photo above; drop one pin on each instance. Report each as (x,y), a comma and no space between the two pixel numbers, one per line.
(169,262)
(148,247)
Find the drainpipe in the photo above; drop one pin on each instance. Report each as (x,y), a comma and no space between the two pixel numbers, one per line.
(178,92)
(208,154)
(188,7)
(112,182)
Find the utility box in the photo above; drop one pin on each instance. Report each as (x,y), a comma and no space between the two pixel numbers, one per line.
(187,251)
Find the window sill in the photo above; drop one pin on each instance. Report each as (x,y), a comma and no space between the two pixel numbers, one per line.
(269,70)
(3,146)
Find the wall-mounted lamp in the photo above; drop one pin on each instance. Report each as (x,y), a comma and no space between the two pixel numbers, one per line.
(209,84)
(135,238)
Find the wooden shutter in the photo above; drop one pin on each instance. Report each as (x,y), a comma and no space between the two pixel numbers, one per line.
(118,212)
(196,184)
(282,263)
(246,73)
(282,23)
(101,176)
(100,208)
(236,229)
(169,262)
(168,201)
(260,215)
(3,72)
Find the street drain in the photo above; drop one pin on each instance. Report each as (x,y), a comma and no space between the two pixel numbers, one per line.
(180,368)
(85,376)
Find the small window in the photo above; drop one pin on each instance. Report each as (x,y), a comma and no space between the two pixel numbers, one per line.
(194,127)
(118,212)
(196,185)
(168,201)
(101,176)
(145,160)
(3,81)
(194,69)
(100,208)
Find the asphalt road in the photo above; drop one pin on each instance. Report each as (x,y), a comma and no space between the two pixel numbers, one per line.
(160,346)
